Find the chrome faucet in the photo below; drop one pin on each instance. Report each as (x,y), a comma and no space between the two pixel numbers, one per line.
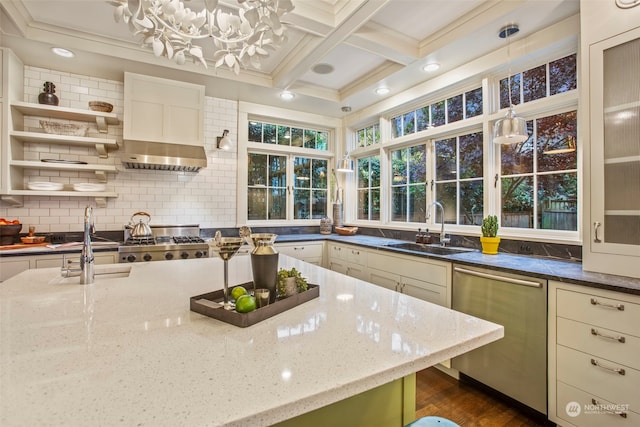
(443,237)
(87,270)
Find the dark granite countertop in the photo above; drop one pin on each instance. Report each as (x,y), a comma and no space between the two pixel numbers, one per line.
(551,269)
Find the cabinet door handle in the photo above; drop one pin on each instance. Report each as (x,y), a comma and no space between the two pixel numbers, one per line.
(596,225)
(620,371)
(297,248)
(608,411)
(620,339)
(602,304)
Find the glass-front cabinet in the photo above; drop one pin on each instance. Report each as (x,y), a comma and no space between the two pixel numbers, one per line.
(614,102)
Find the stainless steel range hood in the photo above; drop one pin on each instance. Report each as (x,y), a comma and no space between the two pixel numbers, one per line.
(163,156)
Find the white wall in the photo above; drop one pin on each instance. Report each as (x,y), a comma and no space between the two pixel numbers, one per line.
(207,198)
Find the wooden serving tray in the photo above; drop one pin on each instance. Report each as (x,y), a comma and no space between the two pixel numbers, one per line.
(23,245)
(210,304)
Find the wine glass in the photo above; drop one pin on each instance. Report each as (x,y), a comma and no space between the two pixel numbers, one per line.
(227,247)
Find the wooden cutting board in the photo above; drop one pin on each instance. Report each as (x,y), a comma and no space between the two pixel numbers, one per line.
(23,245)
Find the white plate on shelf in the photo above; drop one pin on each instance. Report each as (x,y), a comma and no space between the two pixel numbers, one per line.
(45,186)
(70,162)
(89,186)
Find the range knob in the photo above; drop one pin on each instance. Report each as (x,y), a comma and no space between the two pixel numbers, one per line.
(168,255)
(184,255)
(199,254)
(131,258)
(147,257)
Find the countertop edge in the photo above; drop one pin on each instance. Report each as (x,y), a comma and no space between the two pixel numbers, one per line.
(550,269)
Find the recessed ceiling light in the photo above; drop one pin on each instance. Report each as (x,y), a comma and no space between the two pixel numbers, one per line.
(382,90)
(65,53)
(322,68)
(433,66)
(287,96)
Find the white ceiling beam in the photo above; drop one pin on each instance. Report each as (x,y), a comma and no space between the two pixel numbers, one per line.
(288,74)
(468,23)
(370,80)
(386,43)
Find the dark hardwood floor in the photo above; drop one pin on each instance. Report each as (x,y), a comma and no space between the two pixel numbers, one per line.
(441,395)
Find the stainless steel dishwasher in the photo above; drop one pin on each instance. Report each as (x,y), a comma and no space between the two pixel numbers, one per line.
(516,365)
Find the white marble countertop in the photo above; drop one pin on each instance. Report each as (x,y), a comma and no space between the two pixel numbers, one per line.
(128,351)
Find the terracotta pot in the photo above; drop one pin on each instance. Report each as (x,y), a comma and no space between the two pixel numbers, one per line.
(490,245)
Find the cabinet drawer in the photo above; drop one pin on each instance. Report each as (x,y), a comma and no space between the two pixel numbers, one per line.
(432,271)
(596,375)
(350,254)
(609,313)
(425,291)
(300,250)
(620,347)
(586,413)
(384,278)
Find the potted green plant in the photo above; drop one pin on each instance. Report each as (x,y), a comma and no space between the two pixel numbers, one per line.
(290,282)
(489,239)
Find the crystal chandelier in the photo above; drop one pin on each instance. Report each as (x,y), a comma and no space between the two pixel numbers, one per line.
(170,29)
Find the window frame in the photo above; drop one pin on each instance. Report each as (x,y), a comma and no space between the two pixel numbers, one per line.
(255,112)
(557,103)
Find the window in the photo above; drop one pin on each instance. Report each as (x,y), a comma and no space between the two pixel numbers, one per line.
(539,176)
(284,182)
(267,187)
(310,188)
(459,178)
(450,110)
(279,134)
(534,84)
(368,169)
(409,184)
(269,179)
(368,136)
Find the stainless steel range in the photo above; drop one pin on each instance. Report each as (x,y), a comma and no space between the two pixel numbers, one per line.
(167,242)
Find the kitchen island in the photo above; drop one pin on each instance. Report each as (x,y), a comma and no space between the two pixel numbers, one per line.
(127,350)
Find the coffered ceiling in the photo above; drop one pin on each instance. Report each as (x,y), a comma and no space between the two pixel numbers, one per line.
(364,44)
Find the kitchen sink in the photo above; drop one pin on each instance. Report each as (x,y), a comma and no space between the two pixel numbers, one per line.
(429,249)
(102,272)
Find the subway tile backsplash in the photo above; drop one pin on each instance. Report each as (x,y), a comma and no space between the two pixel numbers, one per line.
(207,198)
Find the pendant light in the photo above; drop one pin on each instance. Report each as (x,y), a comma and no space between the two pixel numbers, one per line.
(511,129)
(345,165)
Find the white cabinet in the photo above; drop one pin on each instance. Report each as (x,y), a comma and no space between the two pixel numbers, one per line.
(10,266)
(610,126)
(162,110)
(420,277)
(423,278)
(348,259)
(310,252)
(594,370)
